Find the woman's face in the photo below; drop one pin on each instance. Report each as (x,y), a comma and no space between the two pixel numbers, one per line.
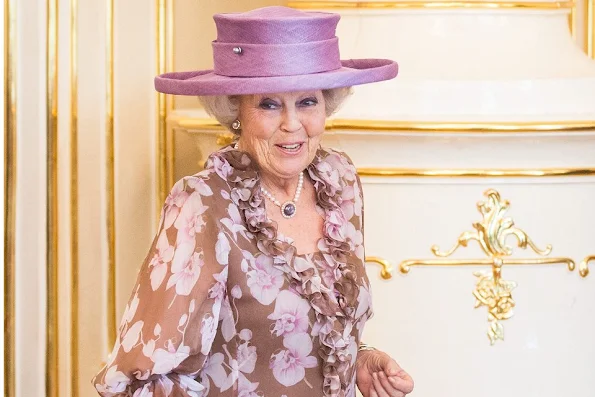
(282,131)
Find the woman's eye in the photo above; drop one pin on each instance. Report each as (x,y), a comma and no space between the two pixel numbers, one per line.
(267,104)
(310,102)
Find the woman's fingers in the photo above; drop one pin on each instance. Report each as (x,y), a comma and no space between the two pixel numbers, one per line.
(388,378)
(388,387)
(380,390)
(402,382)
(373,391)
(392,368)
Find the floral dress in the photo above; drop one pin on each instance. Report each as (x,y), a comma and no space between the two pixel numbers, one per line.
(224,305)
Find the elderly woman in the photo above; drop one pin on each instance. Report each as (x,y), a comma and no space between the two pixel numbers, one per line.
(255,283)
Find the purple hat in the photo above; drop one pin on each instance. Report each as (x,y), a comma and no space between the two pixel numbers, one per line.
(276,49)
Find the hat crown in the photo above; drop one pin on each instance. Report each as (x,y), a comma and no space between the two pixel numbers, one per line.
(256,51)
(275,25)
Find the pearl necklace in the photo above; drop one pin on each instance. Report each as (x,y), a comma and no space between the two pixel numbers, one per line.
(288,208)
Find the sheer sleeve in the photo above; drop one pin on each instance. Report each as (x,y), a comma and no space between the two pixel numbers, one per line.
(170,321)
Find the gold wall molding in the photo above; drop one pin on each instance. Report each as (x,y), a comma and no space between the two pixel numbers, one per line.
(165,143)
(583,268)
(52,312)
(161,109)
(10,163)
(170,100)
(386,268)
(406,265)
(110,171)
(197,123)
(391,5)
(459,127)
(572,21)
(74,208)
(590,28)
(474,173)
(438,127)
(491,233)
(224,137)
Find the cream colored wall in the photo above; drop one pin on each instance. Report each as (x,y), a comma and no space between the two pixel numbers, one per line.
(30,239)
(92,120)
(92,236)
(426,319)
(83,98)
(194,30)
(581,25)
(132,66)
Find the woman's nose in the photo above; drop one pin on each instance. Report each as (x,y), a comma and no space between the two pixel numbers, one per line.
(291,121)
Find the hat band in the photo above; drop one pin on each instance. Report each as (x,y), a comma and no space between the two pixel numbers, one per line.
(264,60)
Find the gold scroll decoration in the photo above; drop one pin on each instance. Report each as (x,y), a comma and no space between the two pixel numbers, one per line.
(386,268)
(495,294)
(491,233)
(583,268)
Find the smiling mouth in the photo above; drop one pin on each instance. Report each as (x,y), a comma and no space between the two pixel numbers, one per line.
(291,148)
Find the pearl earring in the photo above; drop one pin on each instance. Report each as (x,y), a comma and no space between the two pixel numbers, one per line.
(236,125)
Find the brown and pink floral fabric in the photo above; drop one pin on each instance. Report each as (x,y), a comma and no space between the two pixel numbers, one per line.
(224,305)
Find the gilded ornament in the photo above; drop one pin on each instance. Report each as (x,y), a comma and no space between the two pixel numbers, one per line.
(386,268)
(225,139)
(583,268)
(491,233)
(494,293)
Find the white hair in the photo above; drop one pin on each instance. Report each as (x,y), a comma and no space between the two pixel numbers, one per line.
(225,108)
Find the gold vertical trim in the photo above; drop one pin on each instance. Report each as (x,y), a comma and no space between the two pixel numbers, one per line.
(110,188)
(74,249)
(590,28)
(161,107)
(52,359)
(572,19)
(169,31)
(169,99)
(10,163)
(165,103)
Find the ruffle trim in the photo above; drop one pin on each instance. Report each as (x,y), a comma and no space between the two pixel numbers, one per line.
(334,307)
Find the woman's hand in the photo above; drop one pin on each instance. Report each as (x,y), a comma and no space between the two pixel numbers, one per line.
(378,375)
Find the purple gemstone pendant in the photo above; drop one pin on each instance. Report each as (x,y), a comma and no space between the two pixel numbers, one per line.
(288,209)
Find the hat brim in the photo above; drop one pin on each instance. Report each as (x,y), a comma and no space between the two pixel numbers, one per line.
(206,82)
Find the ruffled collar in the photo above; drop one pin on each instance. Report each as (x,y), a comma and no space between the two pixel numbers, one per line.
(334,306)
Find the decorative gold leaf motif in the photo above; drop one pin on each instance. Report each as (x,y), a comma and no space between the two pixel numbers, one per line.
(491,234)
(387,269)
(583,268)
(496,294)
